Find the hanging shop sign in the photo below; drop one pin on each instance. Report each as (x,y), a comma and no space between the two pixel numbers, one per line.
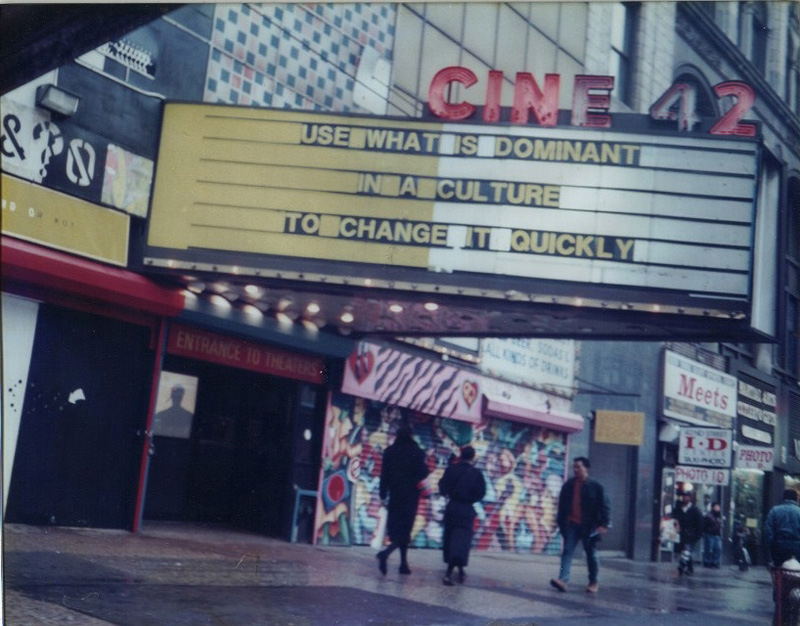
(411,381)
(754,457)
(233,352)
(451,207)
(709,447)
(696,393)
(755,408)
(703,476)
(431,386)
(619,427)
(56,220)
(543,363)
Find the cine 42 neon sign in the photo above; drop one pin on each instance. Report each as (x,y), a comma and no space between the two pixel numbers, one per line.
(591,101)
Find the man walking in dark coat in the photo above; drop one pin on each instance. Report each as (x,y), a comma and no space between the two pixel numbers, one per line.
(690,526)
(463,485)
(584,514)
(402,472)
(782,529)
(712,537)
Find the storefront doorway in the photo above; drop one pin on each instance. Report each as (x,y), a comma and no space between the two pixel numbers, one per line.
(235,465)
(82,422)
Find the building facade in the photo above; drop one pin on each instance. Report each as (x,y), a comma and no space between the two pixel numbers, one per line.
(266,378)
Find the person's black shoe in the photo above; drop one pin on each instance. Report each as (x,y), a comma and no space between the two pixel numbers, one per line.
(461,575)
(447,580)
(558,584)
(404,569)
(381,556)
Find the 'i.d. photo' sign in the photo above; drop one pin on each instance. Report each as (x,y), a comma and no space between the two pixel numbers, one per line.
(670,213)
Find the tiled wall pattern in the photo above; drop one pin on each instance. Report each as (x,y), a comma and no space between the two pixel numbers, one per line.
(292,55)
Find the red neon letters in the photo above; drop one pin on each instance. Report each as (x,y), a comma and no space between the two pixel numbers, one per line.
(591,101)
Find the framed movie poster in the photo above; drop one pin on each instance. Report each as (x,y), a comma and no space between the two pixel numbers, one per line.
(175,405)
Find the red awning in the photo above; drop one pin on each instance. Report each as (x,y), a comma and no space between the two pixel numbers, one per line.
(44,268)
(556,420)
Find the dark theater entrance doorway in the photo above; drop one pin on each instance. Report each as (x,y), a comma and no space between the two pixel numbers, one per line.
(236,466)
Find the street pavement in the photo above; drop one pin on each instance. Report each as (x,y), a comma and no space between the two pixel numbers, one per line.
(181,574)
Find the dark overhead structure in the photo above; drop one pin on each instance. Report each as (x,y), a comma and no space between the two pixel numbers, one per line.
(37,38)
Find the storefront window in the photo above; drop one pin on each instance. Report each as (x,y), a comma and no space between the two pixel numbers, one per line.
(747,508)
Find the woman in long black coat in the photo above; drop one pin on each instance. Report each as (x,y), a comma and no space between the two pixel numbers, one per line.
(463,484)
(402,471)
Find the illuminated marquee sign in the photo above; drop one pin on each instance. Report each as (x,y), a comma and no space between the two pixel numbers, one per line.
(248,190)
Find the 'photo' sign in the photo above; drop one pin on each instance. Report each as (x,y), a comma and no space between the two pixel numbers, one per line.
(709,447)
(440,202)
(755,457)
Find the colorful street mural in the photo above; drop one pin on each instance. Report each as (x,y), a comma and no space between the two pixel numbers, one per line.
(523,466)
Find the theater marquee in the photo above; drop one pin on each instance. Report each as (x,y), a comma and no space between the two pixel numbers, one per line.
(342,199)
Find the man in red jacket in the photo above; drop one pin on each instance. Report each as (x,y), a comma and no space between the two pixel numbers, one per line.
(583,515)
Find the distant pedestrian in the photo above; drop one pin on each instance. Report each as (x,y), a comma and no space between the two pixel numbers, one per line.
(463,485)
(402,472)
(712,537)
(782,529)
(690,529)
(584,514)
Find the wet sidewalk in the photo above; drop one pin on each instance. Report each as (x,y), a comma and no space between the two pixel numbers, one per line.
(178,574)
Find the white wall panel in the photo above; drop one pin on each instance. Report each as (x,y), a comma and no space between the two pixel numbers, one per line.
(19,327)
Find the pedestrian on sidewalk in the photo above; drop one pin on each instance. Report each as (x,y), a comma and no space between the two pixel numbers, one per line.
(403,473)
(463,485)
(690,527)
(712,537)
(584,514)
(782,529)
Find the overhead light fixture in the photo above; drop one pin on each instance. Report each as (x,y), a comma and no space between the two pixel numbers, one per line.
(431,306)
(57,100)
(347,317)
(284,303)
(219,301)
(252,311)
(312,308)
(220,287)
(310,326)
(396,308)
(283,318)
